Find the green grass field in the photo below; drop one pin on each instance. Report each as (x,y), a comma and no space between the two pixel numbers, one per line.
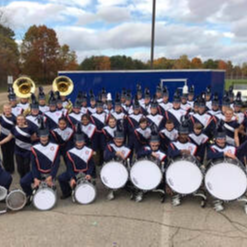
(228,83)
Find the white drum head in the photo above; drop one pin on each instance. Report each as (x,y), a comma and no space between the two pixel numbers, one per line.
(226,181)
(184,177)
(3,193)
(145,175)
(114,175)
(44,199)
(85,193)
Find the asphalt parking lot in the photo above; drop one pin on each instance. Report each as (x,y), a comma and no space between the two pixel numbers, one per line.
(123,222)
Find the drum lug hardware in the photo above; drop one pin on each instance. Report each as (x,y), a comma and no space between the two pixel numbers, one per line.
(73,196)
(242,199)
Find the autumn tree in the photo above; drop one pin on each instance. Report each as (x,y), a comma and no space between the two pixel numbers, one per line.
(42,56)
(9,55)
(196,63)
(210,64)
(182,63)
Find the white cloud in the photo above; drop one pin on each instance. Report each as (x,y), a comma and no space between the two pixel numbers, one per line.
(112,2)
(81,3)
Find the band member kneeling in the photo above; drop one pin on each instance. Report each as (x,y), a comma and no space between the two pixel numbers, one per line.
(45,159)
(79,160)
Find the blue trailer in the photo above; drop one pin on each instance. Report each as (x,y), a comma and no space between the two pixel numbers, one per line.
(114,81)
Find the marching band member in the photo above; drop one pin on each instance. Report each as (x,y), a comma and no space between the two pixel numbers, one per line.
(42,102)
(154,118)
(208,97)
(237,106)
(75,116)
(146,105)
(168,134)
(99,119)
(23,134)
(191,95)
(24,104)
(215,111)
(16,110)
(65,101)
(153,152)
(5,178)
(142,134)
(103,97)
(7,122)
(118,113)
(45,159)
(127,104)
(176,112)
(231,126)
(165,104)
(109,106)
(116,150)
(109,130)
(89,130)
(199,139)
(84,108)
(158,94)
(184,103)
(33,117)
(203,118)
(79,160)
(53,115)
(231,96)
(92,108)
(60,104)
(139,94)
(63,136)
(132,122)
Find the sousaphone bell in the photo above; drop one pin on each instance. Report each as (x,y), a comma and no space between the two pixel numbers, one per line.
(24,87)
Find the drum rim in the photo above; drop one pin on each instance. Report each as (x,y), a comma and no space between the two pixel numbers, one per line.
(212,164)
(20,207)
(196,164)
(54,191)
(92,186)
(5,193)
(139,160)
(127,172)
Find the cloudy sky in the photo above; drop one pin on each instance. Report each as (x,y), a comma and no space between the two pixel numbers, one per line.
(207,29)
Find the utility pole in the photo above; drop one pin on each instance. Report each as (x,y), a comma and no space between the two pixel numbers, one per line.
(153,34)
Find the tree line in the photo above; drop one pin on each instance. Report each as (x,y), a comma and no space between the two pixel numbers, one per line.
(40,56)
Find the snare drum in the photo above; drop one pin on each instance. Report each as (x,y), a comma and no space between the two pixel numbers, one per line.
(114,175)
(85,192)
(45,197)
(226,179)
(16,200)
(145,175)
(184,175)
(3,193)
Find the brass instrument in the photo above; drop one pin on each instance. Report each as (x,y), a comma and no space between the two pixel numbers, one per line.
(23,87)
(63,84)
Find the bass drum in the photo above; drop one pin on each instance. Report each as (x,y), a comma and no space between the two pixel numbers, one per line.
(44,197)
(85,192)
(114,175)
(184,175)
(226,179)
(16,200)
(145,175)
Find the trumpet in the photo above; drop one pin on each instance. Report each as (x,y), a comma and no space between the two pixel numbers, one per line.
(24,87)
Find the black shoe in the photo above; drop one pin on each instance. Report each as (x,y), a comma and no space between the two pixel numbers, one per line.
(29,201)
(63,197)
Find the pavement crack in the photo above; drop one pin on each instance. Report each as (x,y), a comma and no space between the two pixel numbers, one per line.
(172,238)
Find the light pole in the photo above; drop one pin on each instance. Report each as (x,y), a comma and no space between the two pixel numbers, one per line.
(153,34)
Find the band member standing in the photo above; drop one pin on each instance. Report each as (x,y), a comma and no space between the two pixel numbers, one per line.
(75,116)
(191,95)
(176,112)
(42,101)
(165,104)
(92,108)
(7,122)
(53,115)
(23,134)
(208,98)
(24,104)
(45,159)
(146,106)
(109,130)
(16,110)
(79,160)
